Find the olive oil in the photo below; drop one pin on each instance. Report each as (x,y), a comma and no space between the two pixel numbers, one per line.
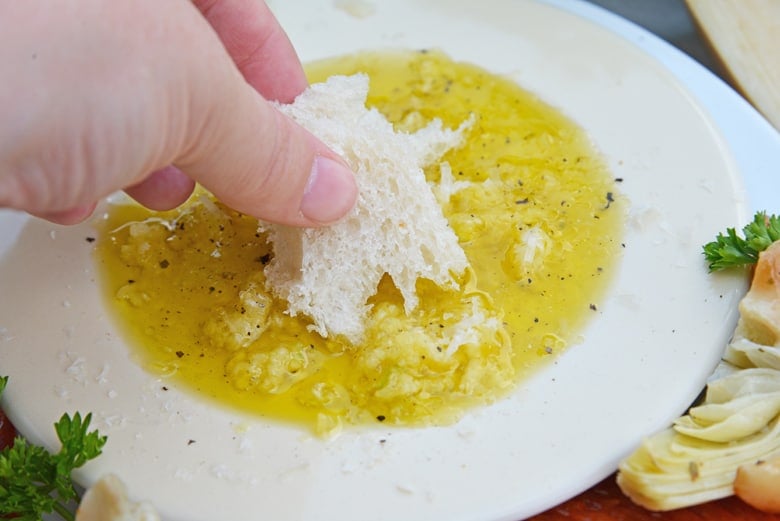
(532,202)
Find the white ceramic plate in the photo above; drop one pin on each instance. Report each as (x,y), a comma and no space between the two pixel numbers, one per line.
(645,357)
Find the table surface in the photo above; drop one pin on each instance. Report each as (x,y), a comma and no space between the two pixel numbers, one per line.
(605,502)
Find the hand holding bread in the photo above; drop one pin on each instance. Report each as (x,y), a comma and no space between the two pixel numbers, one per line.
(153,91)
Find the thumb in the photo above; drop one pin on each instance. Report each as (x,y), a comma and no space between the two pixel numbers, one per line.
(260,162)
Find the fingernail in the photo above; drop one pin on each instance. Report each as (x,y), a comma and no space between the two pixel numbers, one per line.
(331,191)
(72,216)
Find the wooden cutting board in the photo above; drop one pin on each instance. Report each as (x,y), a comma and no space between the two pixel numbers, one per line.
(745,35)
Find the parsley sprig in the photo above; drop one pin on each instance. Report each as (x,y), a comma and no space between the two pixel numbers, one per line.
(731,250)
(34,481)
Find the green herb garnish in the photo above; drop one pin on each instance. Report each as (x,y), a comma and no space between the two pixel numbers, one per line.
(731,250)
(34,481)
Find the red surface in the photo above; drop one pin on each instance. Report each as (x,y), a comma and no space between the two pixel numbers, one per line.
(7,432)
(605,502)
(7,435)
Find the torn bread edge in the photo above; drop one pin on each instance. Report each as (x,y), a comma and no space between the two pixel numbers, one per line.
(396,227)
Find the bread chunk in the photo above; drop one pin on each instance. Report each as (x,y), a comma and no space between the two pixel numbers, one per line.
(396,227)
(107,500)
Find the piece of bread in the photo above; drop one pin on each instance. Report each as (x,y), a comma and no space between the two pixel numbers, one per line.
(397,226)
(107,500)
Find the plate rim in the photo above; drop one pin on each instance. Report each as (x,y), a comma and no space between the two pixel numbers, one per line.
(677,63)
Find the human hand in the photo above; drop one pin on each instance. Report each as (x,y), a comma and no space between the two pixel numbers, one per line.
(151,97)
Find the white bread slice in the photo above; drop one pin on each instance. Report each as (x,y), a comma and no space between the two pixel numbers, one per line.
(397,226)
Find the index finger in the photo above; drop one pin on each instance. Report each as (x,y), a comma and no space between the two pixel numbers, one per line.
(258,46)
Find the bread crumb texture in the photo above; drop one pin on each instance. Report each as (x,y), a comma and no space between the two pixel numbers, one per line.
(396,227)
